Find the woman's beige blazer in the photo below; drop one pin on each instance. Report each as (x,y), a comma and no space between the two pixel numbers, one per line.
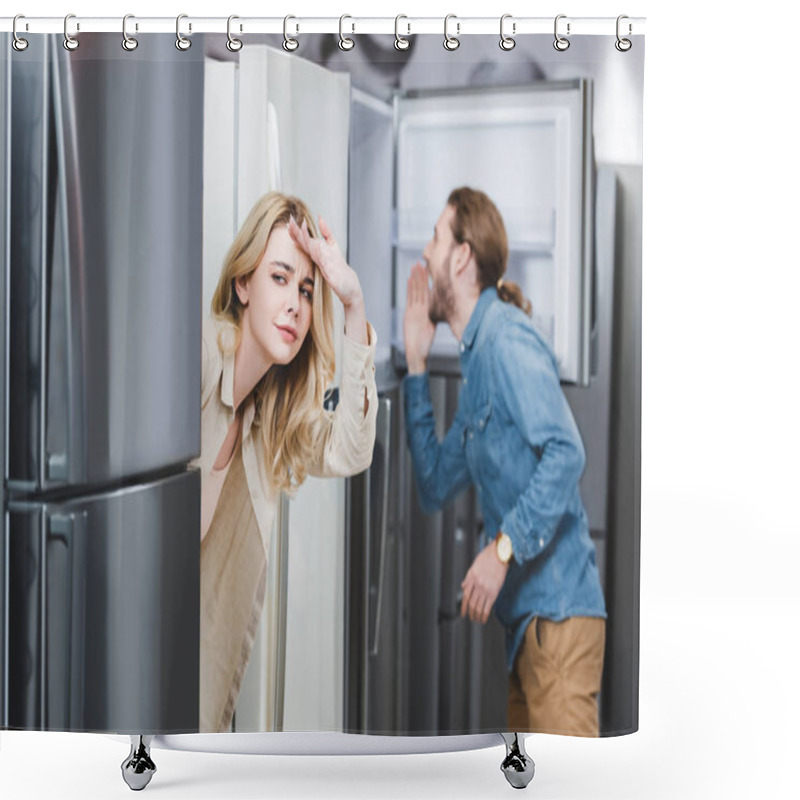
(233,566)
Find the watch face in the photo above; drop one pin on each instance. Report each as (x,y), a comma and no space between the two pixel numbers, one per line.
(504,549)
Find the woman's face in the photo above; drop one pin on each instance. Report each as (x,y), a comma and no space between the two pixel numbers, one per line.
(278,298)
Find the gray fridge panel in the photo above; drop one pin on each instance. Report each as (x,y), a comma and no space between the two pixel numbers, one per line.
(105,262)
(457,680)
(103,601)
(5,53)
(591,405)
(376,637)
(413,665)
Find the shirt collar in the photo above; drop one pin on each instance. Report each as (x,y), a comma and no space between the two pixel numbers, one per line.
(487,297)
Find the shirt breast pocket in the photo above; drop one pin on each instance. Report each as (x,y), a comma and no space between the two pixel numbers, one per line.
(484,433)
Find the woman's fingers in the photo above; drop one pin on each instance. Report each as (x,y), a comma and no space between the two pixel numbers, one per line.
(306,237)
(294,232)
(324,252)
(326,232)
(300,236)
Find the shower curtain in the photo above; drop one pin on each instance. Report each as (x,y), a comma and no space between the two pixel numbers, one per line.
(374,473)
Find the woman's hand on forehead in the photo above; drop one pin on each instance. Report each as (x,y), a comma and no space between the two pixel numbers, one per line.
(325,253)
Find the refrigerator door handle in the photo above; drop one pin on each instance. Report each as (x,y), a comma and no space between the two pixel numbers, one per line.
(587,236)
(63,465)
(5,563)
(62,631)
(274,149)
(385,440)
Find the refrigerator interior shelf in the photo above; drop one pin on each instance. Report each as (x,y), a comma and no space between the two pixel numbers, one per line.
(514,246)
(528,230)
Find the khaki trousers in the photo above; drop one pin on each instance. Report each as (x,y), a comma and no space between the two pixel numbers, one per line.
(555,682)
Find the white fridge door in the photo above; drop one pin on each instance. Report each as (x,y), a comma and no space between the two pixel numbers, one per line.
(220,221)
(293,118)
(529,149)
(371,218)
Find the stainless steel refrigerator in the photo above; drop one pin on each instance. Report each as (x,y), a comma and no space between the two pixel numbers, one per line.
(101,263)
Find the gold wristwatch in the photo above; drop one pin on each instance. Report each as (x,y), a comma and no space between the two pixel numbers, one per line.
(503,545)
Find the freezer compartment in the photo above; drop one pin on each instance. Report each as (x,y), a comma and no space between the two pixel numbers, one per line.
(530,149)
(103,601)
(105,267)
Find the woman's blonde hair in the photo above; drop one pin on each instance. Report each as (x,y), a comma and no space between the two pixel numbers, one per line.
(289,398)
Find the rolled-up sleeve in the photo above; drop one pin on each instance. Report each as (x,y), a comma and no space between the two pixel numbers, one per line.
(345,440)
(532,395)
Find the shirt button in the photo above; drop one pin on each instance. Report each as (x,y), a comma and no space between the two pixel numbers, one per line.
(541,542)
(464,381)
(463,347)
(470,434)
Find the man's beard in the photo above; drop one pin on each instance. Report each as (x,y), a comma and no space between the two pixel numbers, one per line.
(443,300)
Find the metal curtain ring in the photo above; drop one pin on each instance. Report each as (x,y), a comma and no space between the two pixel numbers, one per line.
(507,42)
(19,43)
(289,44)
(561,43)
(345,43)
(181,42)
(623,45)
(128,42)
(70,42)
(400,42)
(233,44)
(451,42)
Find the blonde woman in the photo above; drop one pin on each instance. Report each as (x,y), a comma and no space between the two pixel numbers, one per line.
(268,358)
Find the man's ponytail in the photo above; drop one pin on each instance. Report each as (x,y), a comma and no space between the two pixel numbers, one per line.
(509,292)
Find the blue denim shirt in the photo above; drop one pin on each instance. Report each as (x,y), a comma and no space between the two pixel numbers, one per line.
(514,437)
